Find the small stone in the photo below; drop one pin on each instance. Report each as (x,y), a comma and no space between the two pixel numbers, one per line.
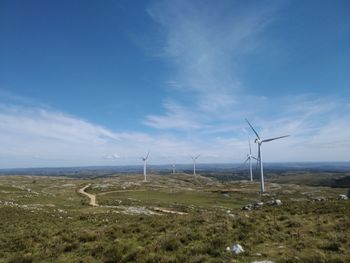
(319,199)
(342,197)
(247,207)
(275,202)
(278,202)
(237,249)
(258,204)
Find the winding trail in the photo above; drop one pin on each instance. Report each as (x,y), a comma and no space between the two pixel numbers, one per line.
(93,202)
(159,209)
(91,196)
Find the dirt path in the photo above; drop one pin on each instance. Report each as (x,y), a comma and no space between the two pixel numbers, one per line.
(91,196)
(122,191)
(158,209)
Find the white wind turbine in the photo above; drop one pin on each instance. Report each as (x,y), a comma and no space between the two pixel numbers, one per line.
(249,159)
(259,142)
(144,159)
(174,170)
(194,158)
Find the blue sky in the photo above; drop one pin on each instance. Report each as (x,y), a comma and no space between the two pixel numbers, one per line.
(101,83)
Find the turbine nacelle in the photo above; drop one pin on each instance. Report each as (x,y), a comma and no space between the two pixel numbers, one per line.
(145,158)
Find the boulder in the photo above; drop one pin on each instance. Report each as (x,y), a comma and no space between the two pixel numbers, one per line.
(342,197)
(319,199)
(258,204)
(278,202)
(247,207)
(275,202)
(235,249)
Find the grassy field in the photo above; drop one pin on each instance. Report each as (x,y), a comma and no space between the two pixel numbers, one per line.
(44,219)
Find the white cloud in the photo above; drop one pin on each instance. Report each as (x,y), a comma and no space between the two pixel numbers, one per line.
(176,117)
(32,137)
(205,44)
(111,156)
(205,41)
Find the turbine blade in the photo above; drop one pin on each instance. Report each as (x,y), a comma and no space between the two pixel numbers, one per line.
(246,161)
(257,135)
(147,155)
(272,139)
(197,156)
(254,158)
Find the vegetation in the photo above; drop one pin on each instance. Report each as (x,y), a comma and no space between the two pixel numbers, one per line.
(44,219)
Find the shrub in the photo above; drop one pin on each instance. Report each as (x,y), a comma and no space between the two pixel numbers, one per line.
(87,236)
(27,258)
(169,243)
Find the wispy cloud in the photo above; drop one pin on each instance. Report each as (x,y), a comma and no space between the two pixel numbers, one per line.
(32,136)
(205,43)
(203,112)
(176,117)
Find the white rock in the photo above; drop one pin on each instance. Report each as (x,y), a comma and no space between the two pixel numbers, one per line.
(247,207)
(258,204)
(275,202)
(342,197)
(320,199)
(278,202)
(263,261)
(237,249)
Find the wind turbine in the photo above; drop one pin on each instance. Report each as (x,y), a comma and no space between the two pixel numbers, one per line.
(260,142)
(249,159)
(144,159)
(194,158)
(173,168)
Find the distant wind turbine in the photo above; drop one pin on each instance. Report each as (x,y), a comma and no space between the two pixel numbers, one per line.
(173,168)
(194,158)
(249,159)
(144,159)
(259,142)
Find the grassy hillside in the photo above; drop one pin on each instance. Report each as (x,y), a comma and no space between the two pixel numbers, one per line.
(44,219)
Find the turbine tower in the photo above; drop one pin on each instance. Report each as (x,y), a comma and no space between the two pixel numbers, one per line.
(194,158)
(260,142)
(174,170)
(249,159)
(144,159)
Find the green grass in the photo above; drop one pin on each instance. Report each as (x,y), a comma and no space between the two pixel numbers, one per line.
(57,225)
(150,197)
